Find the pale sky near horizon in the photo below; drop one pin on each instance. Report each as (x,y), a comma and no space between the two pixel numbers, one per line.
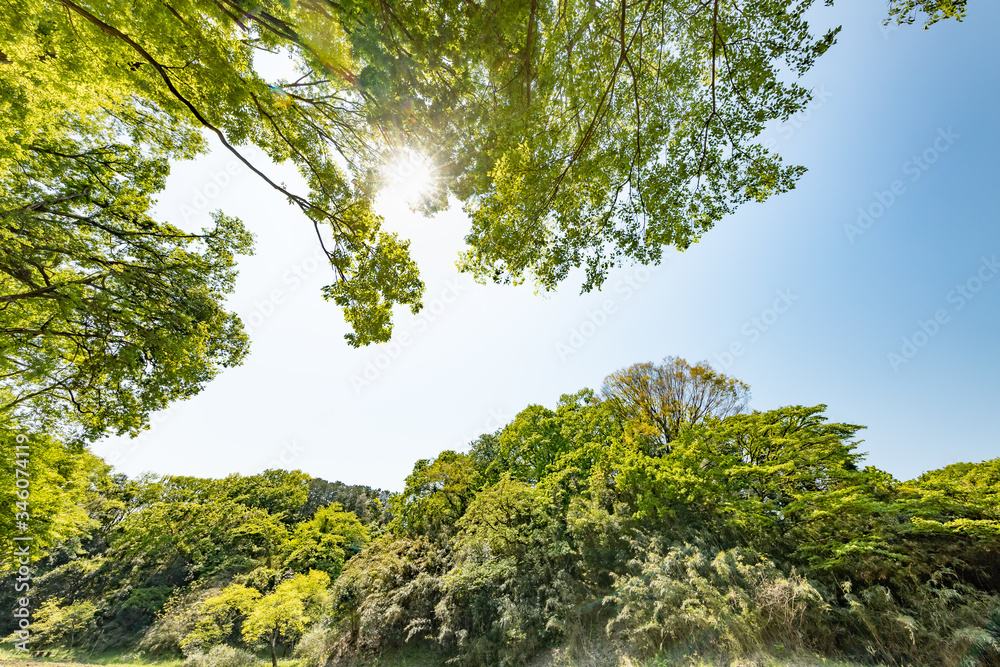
(872,287)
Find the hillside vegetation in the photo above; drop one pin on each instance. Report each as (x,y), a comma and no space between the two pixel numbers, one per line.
(656,521)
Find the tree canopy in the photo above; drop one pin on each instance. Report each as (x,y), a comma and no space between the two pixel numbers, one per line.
(752,529)
(674,394)
(575,135)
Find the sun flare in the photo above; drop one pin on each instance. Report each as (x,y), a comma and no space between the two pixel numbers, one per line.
(408,177)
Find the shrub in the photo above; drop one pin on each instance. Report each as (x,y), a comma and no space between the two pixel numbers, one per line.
(222,656)
(940,621)
(316,646)
(733,601)
(176,620)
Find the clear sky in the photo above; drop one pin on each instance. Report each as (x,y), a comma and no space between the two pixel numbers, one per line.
(872,287)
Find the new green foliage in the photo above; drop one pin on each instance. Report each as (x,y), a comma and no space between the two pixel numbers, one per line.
(669,518)
(108,313)
(905,11)
(44,487)
(54,623)
(325,541)
(575,135)
(287,611)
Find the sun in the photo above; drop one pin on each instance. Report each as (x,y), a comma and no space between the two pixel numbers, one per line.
(408,176)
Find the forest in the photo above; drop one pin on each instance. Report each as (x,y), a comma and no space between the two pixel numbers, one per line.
(654,520)
(655,517)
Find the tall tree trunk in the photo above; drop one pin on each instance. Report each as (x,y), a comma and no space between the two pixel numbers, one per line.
(274,656)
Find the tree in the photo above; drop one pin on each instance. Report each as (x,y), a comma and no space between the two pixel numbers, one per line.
(287,611)
(790,450)
(435,496)
(107,314)
(575,135)
(778,461)
(44,486)
(326,541)
(672,394)
(528,445)
(195,74)
(905,11)
(587,135)
(177,542)
(368,504)
(217,616)
(54,622)
(539,442)
(281,493)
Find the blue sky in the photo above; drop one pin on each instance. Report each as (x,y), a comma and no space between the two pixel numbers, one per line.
(892,321)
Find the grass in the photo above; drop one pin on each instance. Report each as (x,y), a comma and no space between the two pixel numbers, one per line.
(111,658)
(417,658)
(117,658)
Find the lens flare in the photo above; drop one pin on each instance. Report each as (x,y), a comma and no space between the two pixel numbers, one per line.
(408,176)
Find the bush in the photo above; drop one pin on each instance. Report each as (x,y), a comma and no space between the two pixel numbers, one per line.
(733,601)
(222,656)
(940,621)
(316,646)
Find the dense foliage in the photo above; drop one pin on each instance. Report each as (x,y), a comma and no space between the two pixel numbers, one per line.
(574,135)
(722,531)
(658,513)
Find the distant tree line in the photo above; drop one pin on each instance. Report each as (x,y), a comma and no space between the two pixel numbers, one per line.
(659,514)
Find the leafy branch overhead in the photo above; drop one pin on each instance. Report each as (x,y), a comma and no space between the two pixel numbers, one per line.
(576,134)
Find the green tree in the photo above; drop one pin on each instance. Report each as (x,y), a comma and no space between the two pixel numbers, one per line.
(905,11)
(195,74)
(55,622)
(670,395)
(589,136)
(773,462)
(539,442)
(575,135)
(176,542)
(217,617)
(326,541)
(288,611)
(435,496)
(108,314)
(281,493)
(44,488)
(368,504)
